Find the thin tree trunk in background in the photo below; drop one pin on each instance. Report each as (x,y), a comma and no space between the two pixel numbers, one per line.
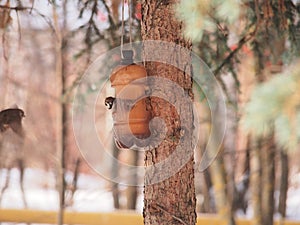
(284,182)
(59,133)
(268,180)
(62,109)
(208,206)
(74,183)
(246,179)
(4,70)
(256,181)
(218,174)
(115,173)
(4,67)
(242,188)
(171,201)
(131,192)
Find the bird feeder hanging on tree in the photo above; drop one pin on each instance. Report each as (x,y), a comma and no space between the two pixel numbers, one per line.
(130,115)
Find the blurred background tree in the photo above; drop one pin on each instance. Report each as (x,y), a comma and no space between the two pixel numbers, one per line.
(260,40)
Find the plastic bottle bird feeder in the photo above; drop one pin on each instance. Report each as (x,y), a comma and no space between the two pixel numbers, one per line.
(130,115)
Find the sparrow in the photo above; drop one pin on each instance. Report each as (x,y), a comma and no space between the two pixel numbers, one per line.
(11,118)
(109,101)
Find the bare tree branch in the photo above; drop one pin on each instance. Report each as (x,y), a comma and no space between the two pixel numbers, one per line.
(30,10)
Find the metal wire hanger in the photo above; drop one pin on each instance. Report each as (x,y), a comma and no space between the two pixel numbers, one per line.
(126,53)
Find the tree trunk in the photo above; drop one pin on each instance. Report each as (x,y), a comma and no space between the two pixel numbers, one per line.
(284,182)
(115,173)
(62,116)
(268,180)
(255,182)
(208,206)
(132,191)
(171,200)
(241,188)
(218,174)
(4,65)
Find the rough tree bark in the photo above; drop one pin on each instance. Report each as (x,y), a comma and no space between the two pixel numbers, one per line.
(171,201)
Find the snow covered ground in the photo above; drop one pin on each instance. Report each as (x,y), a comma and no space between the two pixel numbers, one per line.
(293,204)
(93,193)
(293,201)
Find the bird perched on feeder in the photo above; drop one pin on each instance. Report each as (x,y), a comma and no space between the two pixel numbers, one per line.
(12,141)
(109,101)
(11,118)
